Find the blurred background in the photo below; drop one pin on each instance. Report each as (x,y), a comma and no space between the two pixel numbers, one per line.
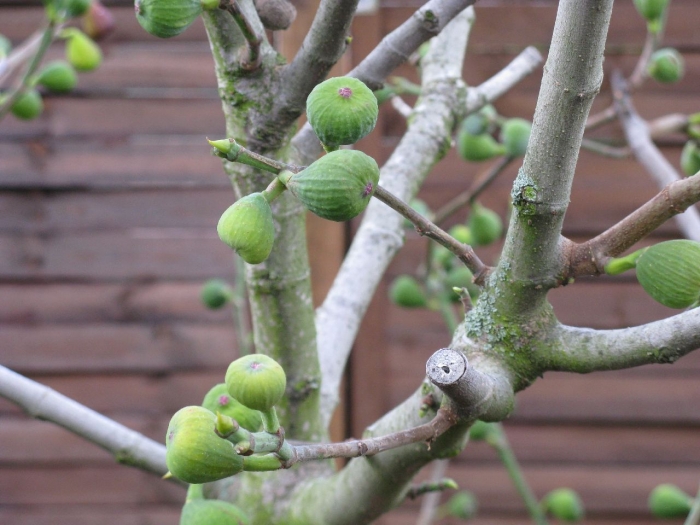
(108,207)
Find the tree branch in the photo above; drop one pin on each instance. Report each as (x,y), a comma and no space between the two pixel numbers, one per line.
(127,446)
(590,257)
(248,31)
(583,350)
(648,155)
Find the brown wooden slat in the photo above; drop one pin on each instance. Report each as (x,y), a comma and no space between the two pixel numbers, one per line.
(117,348)
(91,514)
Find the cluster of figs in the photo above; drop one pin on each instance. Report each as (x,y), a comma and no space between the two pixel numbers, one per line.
(216,440)
(665,65)
(337,187)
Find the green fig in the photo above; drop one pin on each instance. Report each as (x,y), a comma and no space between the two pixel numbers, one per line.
(462,233)
(666,65)
(690,158)
(461,277)
(564,504)
(194,452)
(219,400)
(81,50)
(76,7)
(338,186)
(257,381)
(420,207)
(58,76)
(480,430)
(212,512)
(670,273)
(651,9)
(247,227)
(341,110)
(485,224)
(515,134)
(167,18)
(669,501)
(407,293)
(215,294)
(442,256)
(462,505)
(28,106)
(477,148)
(383,94)
(476,124)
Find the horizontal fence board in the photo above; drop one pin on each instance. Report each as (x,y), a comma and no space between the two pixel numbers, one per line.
(73,514)
(117,348)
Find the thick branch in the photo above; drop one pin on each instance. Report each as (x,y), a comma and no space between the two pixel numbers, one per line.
(127,446)
(248,30)
(583,350)
(589,258)
(648,155)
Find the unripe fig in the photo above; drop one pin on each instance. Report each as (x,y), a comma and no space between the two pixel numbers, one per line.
(341,110)
(462,233)
(76,7)
(477,148)
(338,186)
(485,224)
(257,381)
(690,158)
(461,277)
(383,94)
(515,134)
(215,294)
(442,256)
(28,106)
(98,22)
(219,400)
(462,505)
(564,504)
(670,273)
(212,512)
(167,18)
(81,51)
(651,9)
(407,293)
(276,14)
(248,228)
(194,452)
(669,501)
(476,124)
(666,65)
(58,76)
(480,430)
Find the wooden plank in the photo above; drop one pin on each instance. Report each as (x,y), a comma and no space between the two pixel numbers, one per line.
(90,514)
(106,347)
(409,514)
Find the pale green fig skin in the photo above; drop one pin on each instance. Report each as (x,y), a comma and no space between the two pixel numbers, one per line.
(248,228)
(167,18)
(337,119)
(81,51)
(478,148)
(485,224)
(212,512)
(194,452)
(407,293)
(670,273)
(690,158)
(666,65)
(669,501)
(58,76)
(515,135)
(651,9)
(215,294)
(338,186)
(28,106)
(257,381)
(564,504)
(218,399)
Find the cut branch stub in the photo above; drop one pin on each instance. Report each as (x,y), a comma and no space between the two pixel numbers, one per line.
(475,394)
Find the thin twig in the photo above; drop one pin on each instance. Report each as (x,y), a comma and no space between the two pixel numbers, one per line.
(430,502)
(234,152)
(477,188)
(464,252)
(22,53)
(604,149)
(252,62)
(401,106)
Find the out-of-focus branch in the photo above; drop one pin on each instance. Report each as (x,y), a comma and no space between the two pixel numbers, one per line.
(648,155)
(254,39)
(127,446)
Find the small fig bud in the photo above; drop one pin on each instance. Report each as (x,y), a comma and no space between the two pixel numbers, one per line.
(462,233)
(338,186)
(407,293)
(167,18)
(248,228)
(81,51)
(276,15)
(515,134)
(212,512)
(194,452)
(477,148)
(485,224)
(462,505)
(257,381)
(219,400)
(670,273)
(28,106)
(215,294)
(564,504)
(341,110)
(58,76)
(98,22)
(461,277)
(666,65)
(669,501)
(651,10)
(690,158)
